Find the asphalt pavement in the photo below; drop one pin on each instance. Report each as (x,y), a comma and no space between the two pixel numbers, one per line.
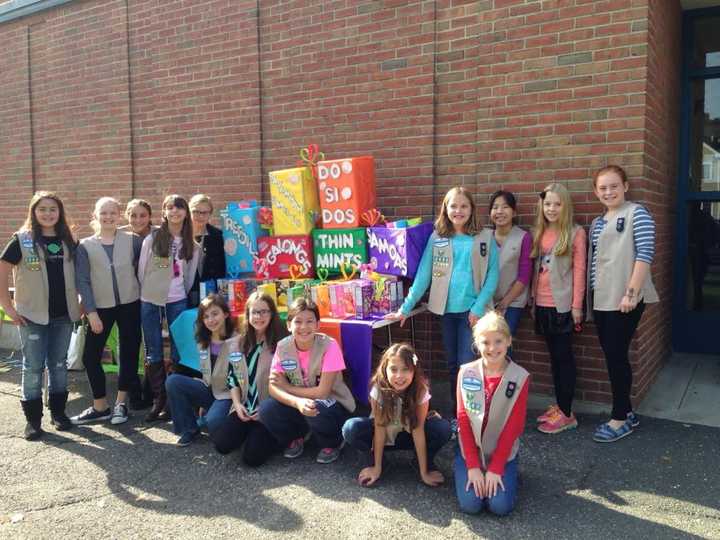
(131,481)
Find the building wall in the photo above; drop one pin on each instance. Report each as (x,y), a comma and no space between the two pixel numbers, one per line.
(144,98)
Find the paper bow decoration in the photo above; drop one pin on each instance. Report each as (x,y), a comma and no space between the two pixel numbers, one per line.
(295,271)
(265,219)
(366,270)
(322,274)
(372,217)
(348,271)
(260,266)
(309,157)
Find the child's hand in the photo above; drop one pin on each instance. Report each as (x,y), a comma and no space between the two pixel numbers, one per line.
(369,475)
(432,478)
(96,324)
(472,319)
(477,481)
(397,316)
(307,407)
(242,414)
(577,315)
(492,481)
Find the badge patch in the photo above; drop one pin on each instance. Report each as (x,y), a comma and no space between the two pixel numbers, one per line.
(620,224)
(483,249)
(441,242)
(289,364)
(510,389)
(472,384)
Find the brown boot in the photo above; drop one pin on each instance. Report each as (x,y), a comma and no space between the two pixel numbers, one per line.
(156,374)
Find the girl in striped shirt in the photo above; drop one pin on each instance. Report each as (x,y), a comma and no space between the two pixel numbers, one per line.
(622,247)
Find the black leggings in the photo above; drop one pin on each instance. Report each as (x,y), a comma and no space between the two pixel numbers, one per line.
(556,328)
(232,432)
(615,330)
(127,317)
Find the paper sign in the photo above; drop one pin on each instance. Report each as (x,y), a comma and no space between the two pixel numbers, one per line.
(295,205)
(285,257)
(335,247)
(347,190)
(397,251)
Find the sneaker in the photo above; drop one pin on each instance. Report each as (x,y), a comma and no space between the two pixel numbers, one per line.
(604,433)
(90,415)
(328,455)
(119,415)
(633,419)
(187,437)
(295,449)
(548,414)
(557,423)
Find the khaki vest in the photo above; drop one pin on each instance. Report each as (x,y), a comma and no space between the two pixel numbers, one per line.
(615,259)
(561,275)
(509,263)
(216,378)
(396,425)
(101,270)
(442,263)
(472,388)
(31,283)
(290,364)
(262,376)
(158,273)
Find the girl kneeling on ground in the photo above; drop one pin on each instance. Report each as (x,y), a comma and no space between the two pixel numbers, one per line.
(307,391)
(248,377)
(492,396)
(399,398)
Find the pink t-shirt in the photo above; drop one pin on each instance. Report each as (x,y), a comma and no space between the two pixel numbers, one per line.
(332,361)
(543,292)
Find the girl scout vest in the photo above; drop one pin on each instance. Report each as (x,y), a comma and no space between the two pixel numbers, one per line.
(561,274)
(442,262)
(101,270)
(158,274)
(262,374)
(615,258)
(216,378)
(31,282)
(503,400)
(509,262)
(396,425)
(290,364)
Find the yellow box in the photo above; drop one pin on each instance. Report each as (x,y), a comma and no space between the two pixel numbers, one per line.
(295,203)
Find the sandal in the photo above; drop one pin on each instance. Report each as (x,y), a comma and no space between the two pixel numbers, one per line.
(604,433)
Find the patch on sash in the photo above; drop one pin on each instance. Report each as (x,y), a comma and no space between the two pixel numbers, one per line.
(26,241)
(620,226)
(203,354)
(441,242)
(472,384)
(510,389)
(289,364)
(161,262)
(483,249)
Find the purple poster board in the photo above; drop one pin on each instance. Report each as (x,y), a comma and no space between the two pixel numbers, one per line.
(397,251)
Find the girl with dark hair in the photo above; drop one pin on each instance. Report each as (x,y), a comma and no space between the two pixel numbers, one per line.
(514,245)
(248,381)
(167,266)
(399,400)
(40,256)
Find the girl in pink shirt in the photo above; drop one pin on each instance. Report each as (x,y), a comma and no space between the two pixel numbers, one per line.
(559,249)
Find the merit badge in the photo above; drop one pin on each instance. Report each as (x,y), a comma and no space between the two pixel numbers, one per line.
(289,364)
(162,262)
(27,242)
(483,249)
(472,384)
(620,224)
(510,389)
(33,263)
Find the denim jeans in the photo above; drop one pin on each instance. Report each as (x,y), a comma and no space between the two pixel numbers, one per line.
(458,343)
(286,423)
(501,504)
(186,395)
(152,317)
(512,317)
(45,345)
(358,434)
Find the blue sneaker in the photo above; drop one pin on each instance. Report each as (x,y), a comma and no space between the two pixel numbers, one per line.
(604,433)
(633,419)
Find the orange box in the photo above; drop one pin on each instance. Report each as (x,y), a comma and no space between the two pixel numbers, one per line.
(347,189)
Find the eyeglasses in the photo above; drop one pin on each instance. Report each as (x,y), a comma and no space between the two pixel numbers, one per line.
(259,312)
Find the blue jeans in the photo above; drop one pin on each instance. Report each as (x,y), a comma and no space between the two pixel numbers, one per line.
(152,316)
(45,345)
(501,504)
(458,343)
(358,434)
(512,317)
(286,423)
(186,395)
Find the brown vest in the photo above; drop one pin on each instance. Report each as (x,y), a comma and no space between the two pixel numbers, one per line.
(442,262)
(615,259)
(472,390)
(101,270)
(158,273)
(216,378)
(31,283)
(509,263)
(561,275)
(290,363)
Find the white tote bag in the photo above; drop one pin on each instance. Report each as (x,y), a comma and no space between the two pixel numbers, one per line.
(76,348)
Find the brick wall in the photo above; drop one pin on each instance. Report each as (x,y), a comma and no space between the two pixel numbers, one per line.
(144,98)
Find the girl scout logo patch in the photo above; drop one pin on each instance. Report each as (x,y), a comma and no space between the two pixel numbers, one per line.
(289,364)
(441,242)
(472,384)
(620,224)
(483,249)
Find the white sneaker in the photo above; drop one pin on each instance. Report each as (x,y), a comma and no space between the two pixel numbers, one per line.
(119,415)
